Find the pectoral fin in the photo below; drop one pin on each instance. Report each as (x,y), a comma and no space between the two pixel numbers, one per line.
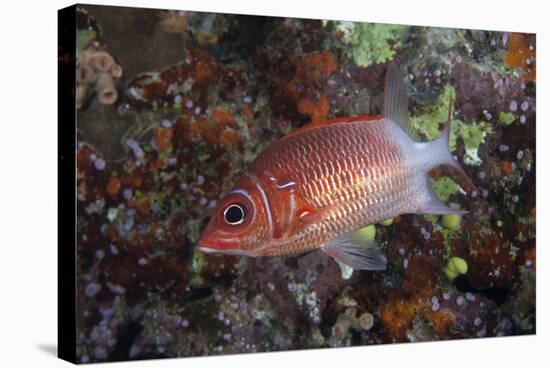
(357,254)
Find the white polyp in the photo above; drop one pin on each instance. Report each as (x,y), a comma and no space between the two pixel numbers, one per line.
(102,61)
(86,74)
(106,90)
(116,71)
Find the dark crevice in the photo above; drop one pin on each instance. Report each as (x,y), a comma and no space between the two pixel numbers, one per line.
(497,295)
(125,341)
(197,294)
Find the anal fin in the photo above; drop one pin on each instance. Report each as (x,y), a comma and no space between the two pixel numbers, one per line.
(352,251)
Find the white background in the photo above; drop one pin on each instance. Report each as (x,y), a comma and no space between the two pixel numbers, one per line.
(28,181)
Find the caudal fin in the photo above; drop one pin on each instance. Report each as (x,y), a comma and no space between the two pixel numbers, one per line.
(429,203)
(438,154)
(439,148)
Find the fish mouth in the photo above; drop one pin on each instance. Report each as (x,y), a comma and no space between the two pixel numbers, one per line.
(229,252)
(222,246)
(208,250)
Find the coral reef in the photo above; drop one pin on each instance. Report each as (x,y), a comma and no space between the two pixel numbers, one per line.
(144,291)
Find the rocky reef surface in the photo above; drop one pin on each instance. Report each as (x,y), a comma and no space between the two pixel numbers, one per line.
(173,105)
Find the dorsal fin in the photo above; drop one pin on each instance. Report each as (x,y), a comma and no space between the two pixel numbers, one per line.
(396,102)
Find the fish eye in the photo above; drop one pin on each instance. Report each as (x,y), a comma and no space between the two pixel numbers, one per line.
(234,214)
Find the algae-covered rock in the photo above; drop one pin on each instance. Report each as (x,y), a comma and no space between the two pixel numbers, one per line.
(372,43)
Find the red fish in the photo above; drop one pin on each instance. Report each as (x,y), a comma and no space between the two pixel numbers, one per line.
(315,187)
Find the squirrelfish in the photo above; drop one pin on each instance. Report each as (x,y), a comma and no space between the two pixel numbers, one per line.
(315,187)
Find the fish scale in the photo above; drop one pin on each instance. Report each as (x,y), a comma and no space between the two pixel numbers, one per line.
(371,172)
